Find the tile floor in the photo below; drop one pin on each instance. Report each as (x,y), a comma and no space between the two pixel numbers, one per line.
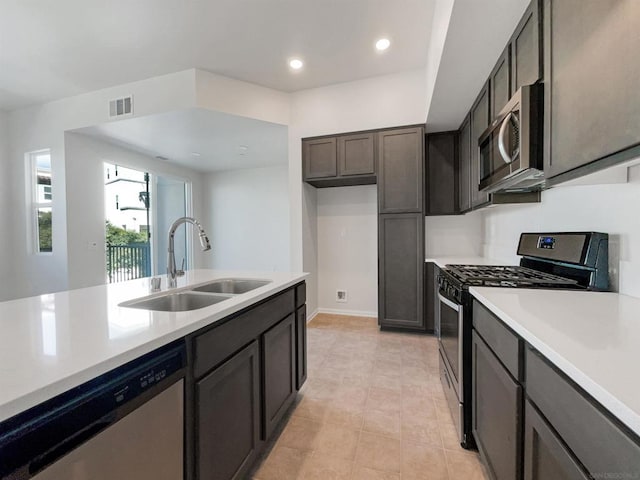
(372,408)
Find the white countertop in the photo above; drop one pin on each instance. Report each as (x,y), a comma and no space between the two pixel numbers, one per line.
(443,261)
(592,337)
(51,343)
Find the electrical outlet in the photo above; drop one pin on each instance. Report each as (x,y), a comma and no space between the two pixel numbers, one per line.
(341,296)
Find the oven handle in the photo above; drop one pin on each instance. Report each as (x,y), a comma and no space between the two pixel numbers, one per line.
(449,303)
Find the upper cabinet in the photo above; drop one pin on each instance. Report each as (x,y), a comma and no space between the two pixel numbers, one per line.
(442,174)
(593,72)
(500,83)
(339,160)
(480,114)
(526,48)
(401,178)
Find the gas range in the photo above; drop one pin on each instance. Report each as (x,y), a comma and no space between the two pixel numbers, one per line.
(577,260)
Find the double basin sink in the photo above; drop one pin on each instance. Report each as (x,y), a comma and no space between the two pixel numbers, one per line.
(197,297)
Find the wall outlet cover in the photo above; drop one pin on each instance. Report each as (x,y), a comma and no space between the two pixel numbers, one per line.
(341,296)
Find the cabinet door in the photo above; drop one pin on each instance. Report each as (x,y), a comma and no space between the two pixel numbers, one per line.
(430,295)
(442,173)
(228,417)
(500,82)
(356,154)
(594,78)
(497,413)
(479,123)
(319,158)
(526,48)
(279,361)
(464,177)
(545,455)
(400,270)
(401,177)
(301,346)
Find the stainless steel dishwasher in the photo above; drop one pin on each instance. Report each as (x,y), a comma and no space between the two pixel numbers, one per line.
(128,423)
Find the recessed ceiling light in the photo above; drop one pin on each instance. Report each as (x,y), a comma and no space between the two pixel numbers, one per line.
(242,149)
(296,63)
(195,154)
(383,44)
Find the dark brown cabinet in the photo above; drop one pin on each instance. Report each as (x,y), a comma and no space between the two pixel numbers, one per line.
(319,158)
(591,82)
(279,363)
(400,270)
(480,113)
(228,417)
(301,346)
(464,161)
(545,455)
(526,48)
(442,173)
(431,272)
(339,160)
(356,154)
(497,413)
(500,83)
(401,176)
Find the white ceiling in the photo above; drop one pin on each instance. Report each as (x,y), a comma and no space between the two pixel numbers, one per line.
(217,137)
(54,49)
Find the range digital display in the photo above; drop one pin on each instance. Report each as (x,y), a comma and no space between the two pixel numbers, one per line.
(547,243)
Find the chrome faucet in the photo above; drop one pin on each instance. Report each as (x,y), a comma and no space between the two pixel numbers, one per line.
(172,272)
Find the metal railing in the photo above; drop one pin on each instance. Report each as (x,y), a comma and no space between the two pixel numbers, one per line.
(128,262)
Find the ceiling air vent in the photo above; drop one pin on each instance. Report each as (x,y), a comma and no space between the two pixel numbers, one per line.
(121,107)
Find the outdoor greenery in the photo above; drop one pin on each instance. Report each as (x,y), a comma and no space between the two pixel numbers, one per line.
(128,254)
(44,231)
(120,236)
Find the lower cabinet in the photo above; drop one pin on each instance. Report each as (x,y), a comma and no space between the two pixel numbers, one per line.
(497,413)
(545,455)
(301,346)
(228,417)
(279,363)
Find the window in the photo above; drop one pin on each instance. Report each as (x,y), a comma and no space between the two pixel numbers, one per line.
(41,198)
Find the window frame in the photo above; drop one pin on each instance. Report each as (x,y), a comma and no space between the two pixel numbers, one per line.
(35,204)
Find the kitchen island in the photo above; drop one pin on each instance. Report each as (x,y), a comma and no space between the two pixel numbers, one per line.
(54,343)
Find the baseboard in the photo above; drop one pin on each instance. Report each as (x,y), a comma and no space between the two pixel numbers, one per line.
(312,315)
(351,313)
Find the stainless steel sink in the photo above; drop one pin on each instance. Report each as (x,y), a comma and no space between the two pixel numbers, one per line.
(232,286)
(176,302)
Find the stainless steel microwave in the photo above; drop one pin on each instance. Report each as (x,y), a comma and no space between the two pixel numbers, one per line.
(511,148)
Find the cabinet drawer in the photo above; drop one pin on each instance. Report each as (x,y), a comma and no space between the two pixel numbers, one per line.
(220,342)
(597,440)
(504,343)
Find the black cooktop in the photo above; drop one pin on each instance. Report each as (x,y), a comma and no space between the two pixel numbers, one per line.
(507,276)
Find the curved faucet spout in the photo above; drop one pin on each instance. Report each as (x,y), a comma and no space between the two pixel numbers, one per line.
(172,271)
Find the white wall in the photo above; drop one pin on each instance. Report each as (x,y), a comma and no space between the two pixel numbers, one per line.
(84,157)
(248,219)
(612,209)
(377,102)
(6,241)
(347,248)
(455,235)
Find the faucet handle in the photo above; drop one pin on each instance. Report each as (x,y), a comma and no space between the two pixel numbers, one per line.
(180,272)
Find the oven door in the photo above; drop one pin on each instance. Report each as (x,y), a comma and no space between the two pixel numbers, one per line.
(450,338)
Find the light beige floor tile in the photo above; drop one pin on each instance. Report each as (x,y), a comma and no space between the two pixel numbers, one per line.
(337,441)
(464,464)
(422,434)
(300,433)
(382,423)
(283,463)
(324,467)
(420,462)
(364,473)
(312,408)
(379,453)
(347,417)
(384,399)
